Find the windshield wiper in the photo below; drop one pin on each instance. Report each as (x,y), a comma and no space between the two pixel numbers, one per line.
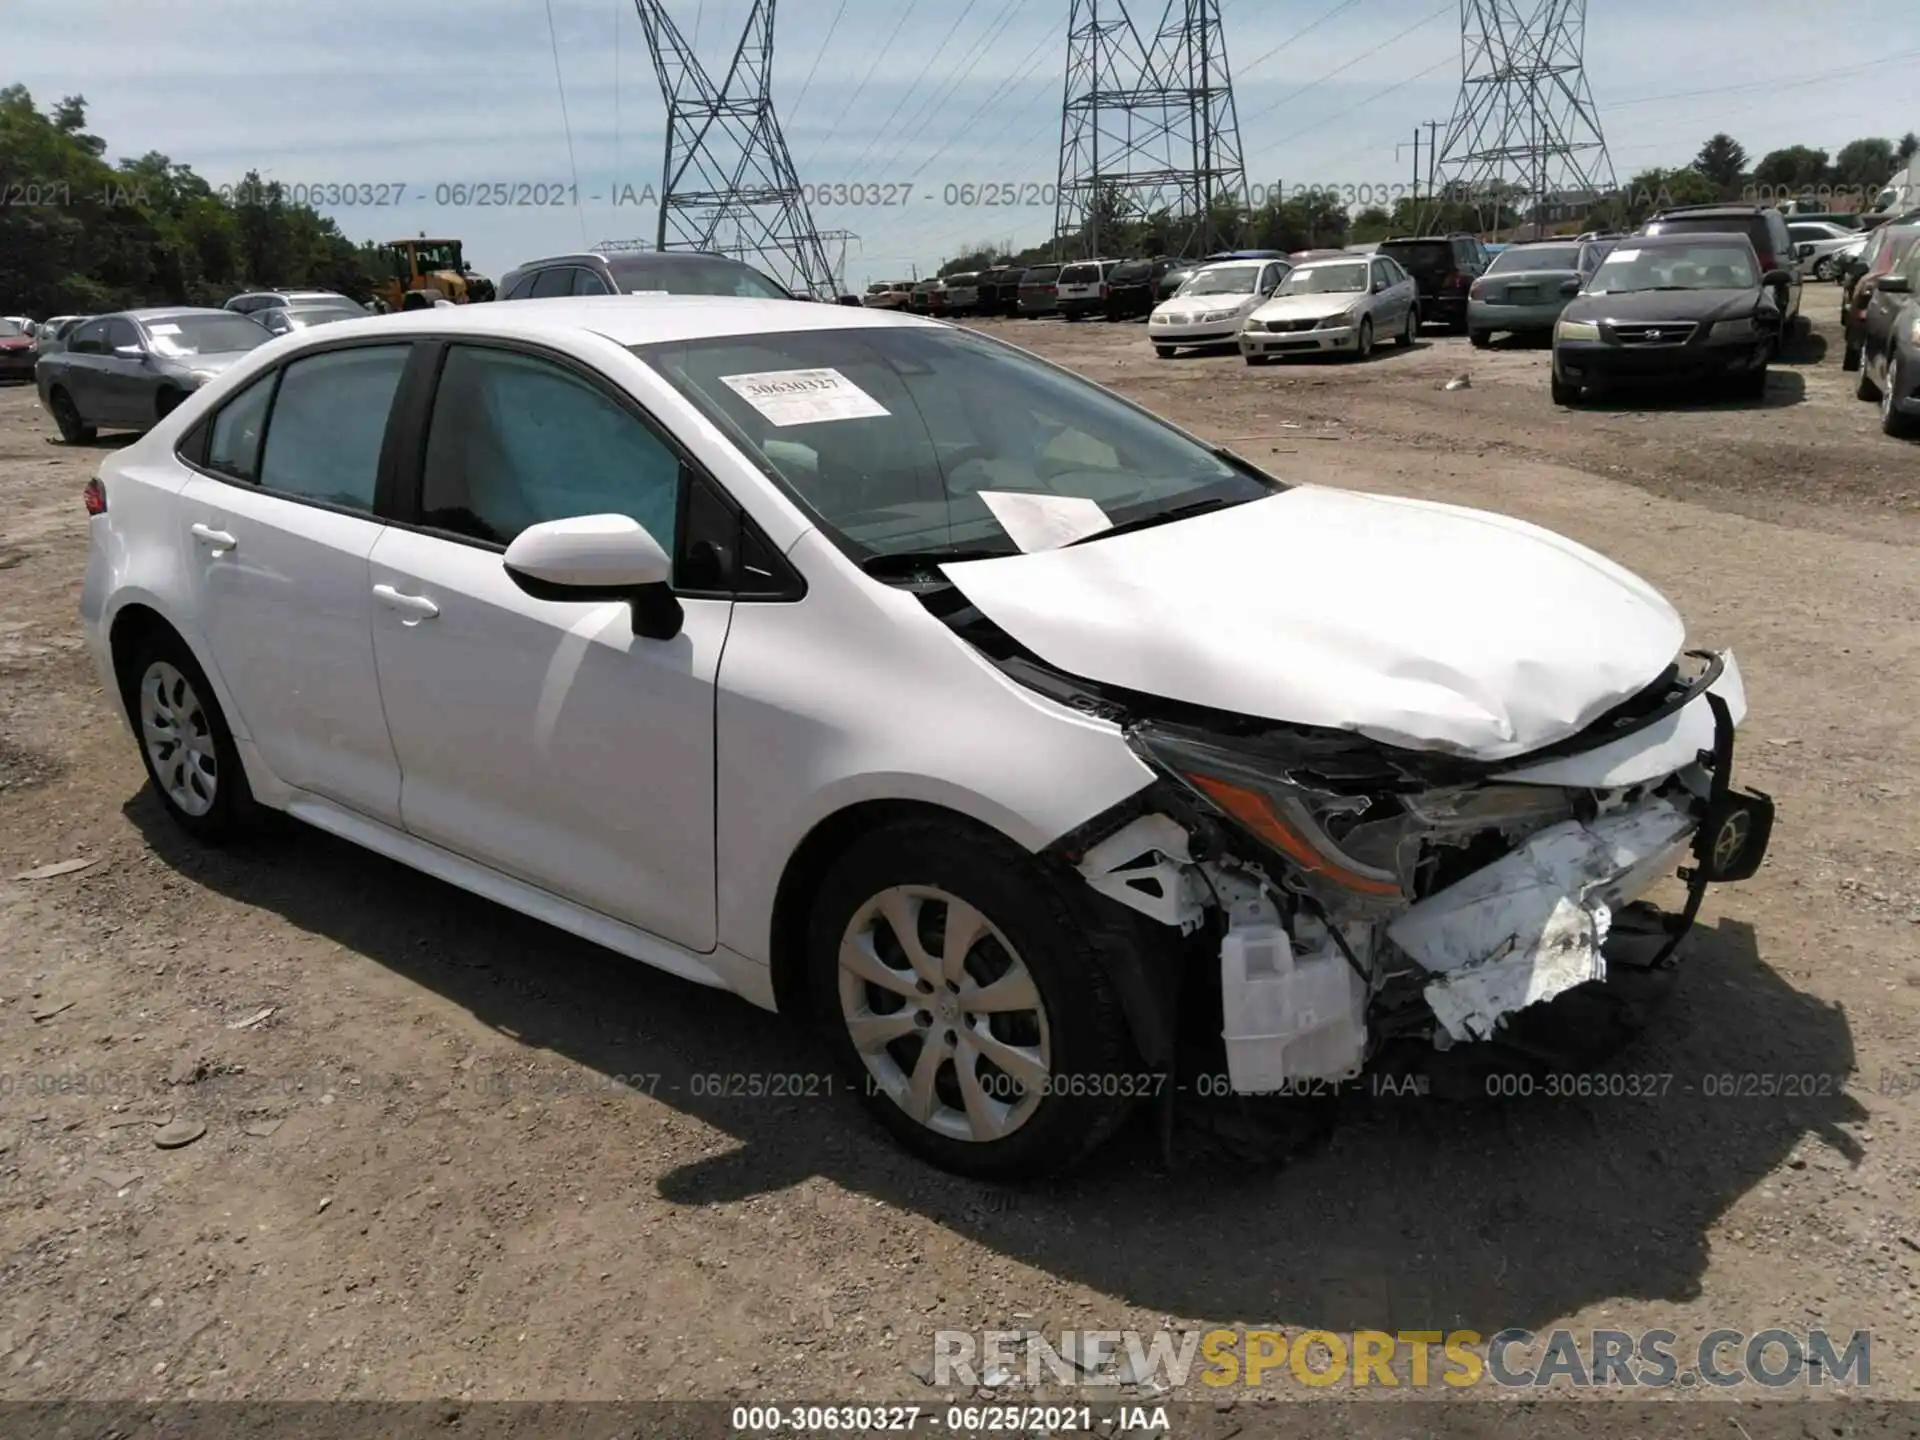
(905,564)
(1159,517)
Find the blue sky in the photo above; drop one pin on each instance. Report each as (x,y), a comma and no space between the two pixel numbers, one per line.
(427,93)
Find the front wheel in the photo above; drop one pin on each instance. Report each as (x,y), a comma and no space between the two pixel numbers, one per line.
(1565,392)
(1165,352)
(965,1004)
(1850,357)
(1892,422)
(1363,339)
(1823,269)
(1480,339)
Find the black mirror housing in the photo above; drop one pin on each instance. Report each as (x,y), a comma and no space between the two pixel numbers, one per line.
(1776,277)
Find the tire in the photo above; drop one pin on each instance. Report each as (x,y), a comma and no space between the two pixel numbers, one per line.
(1363,339)
(1259,359)
(1864,388)
(1457,327)
(1753,385)
(1565,392)
(66,415)
(1410,331)
(1480,339)
(1165,352)
(1028,931)
(1892,422)
(166,693)
(1850,357)
(1823,268)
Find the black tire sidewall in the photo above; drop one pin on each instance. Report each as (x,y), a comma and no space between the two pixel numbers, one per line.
(233,804)
(1086,1030)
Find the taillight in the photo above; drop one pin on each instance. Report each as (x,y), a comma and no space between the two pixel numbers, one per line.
(1105,291)
(1476,290)
(95,496)
(1053,289)
(1458,280)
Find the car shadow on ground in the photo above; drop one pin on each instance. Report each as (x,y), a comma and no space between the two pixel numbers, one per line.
(1809,349)
(1410,1212)
(1784,388)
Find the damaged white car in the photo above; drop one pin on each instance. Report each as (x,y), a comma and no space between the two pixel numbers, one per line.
(895,679)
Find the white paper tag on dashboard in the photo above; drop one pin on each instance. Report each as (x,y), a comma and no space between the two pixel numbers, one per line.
(804,397)
(1045,522)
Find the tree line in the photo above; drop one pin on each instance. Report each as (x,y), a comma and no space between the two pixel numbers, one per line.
(81,236)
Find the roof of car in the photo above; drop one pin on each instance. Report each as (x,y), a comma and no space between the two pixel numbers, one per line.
(167,312)
(1708,211)
(1321,262)
(1686,237)
(626,319)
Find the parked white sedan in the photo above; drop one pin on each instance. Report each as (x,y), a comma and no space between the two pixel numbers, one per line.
(1339,306)
(1209,307)
(890,677)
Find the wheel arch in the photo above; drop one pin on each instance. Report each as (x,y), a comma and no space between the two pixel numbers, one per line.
(136,617)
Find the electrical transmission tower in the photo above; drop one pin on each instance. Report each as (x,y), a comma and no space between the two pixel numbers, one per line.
(1525,134)
(1147,124)
(727,162)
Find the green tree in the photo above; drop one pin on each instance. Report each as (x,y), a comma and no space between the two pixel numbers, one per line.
(1797,167)
(1908,147)
(1721,160)
(1864,164)
(1370,225)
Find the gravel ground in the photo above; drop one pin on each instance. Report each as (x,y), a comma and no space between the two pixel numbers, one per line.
(418,1177)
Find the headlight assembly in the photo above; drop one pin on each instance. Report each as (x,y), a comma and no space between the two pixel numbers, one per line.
(1576,330)
(1741,329)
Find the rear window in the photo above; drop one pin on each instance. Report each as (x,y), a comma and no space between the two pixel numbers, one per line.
(1537,257)
(1132,270)
(716,275)
(1080,275)
(1045,275)
(1419,252)
(9,330)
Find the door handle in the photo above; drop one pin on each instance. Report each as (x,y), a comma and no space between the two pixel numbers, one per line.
(216,539)
(418,606)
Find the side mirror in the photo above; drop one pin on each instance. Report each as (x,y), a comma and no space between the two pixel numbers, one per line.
(1775,277)
(129,352)
(1894,285)
(598,557)
(1569,287)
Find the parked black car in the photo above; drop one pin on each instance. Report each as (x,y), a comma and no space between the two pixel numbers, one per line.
(1887,250)
(1691,308)
(1890,348)
(1444,267)
(1133,287)
(639,272)
(1764,227)
(999,290)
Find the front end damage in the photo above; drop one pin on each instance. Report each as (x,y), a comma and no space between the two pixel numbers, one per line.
(1355,895)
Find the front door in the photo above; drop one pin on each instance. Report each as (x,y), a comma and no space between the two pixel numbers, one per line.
(542,737)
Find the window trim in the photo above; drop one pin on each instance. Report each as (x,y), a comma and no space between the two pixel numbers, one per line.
(413,417)
(202,430)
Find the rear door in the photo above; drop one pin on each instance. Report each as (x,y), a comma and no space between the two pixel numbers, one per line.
(80,375)
(280,520)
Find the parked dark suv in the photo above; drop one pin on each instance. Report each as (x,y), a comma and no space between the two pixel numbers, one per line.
(1764,226)
(639,272)
(1133,288)
(1444,267)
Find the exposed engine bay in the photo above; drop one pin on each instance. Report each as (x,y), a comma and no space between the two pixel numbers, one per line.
(1355,892)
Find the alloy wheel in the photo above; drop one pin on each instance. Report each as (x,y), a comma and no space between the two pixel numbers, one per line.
(944,1014)
(178,734)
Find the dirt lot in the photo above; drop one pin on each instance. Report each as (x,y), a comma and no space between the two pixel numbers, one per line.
(418,1180)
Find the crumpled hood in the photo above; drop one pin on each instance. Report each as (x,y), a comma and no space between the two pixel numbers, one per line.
(1422,625)
(1307,307)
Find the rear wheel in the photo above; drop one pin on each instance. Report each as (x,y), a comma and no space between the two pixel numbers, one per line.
(66,415)
(1823,268)
(1480,339)
(1259,359)
(1850,357)
(185,742)
(964,1003)
(1864,388)
(1408,331)
(1892,422)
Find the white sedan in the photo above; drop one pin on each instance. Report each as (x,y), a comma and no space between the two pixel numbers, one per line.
(1339,306)
(894,679)
(1209,308)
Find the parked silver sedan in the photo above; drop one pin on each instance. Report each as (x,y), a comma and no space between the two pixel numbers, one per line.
(127,371)
(1527,286)
(1335,306)
(304,314)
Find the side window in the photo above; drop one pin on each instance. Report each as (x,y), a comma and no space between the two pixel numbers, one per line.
(517,440)
(522,288)
(1381,278)
(328,422)
(234,449)
(121,332)
(556,281)
(90,339)
(585,282)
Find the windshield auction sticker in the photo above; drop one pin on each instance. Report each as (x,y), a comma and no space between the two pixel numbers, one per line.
(804,397)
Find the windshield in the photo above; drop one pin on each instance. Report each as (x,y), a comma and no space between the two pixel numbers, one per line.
(1537,257)
(694,276)
(1223,280)
(304,316)
(1045,275)
(896,438)
(9,330)
(1717,265)
(1326,280)
(204,334)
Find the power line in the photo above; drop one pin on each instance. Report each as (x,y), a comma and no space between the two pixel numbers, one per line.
(824,46)
(1445,9)
(1341,8)
(1823,78)
(566,125)
(907,94)
(878,55)
(1362,104)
